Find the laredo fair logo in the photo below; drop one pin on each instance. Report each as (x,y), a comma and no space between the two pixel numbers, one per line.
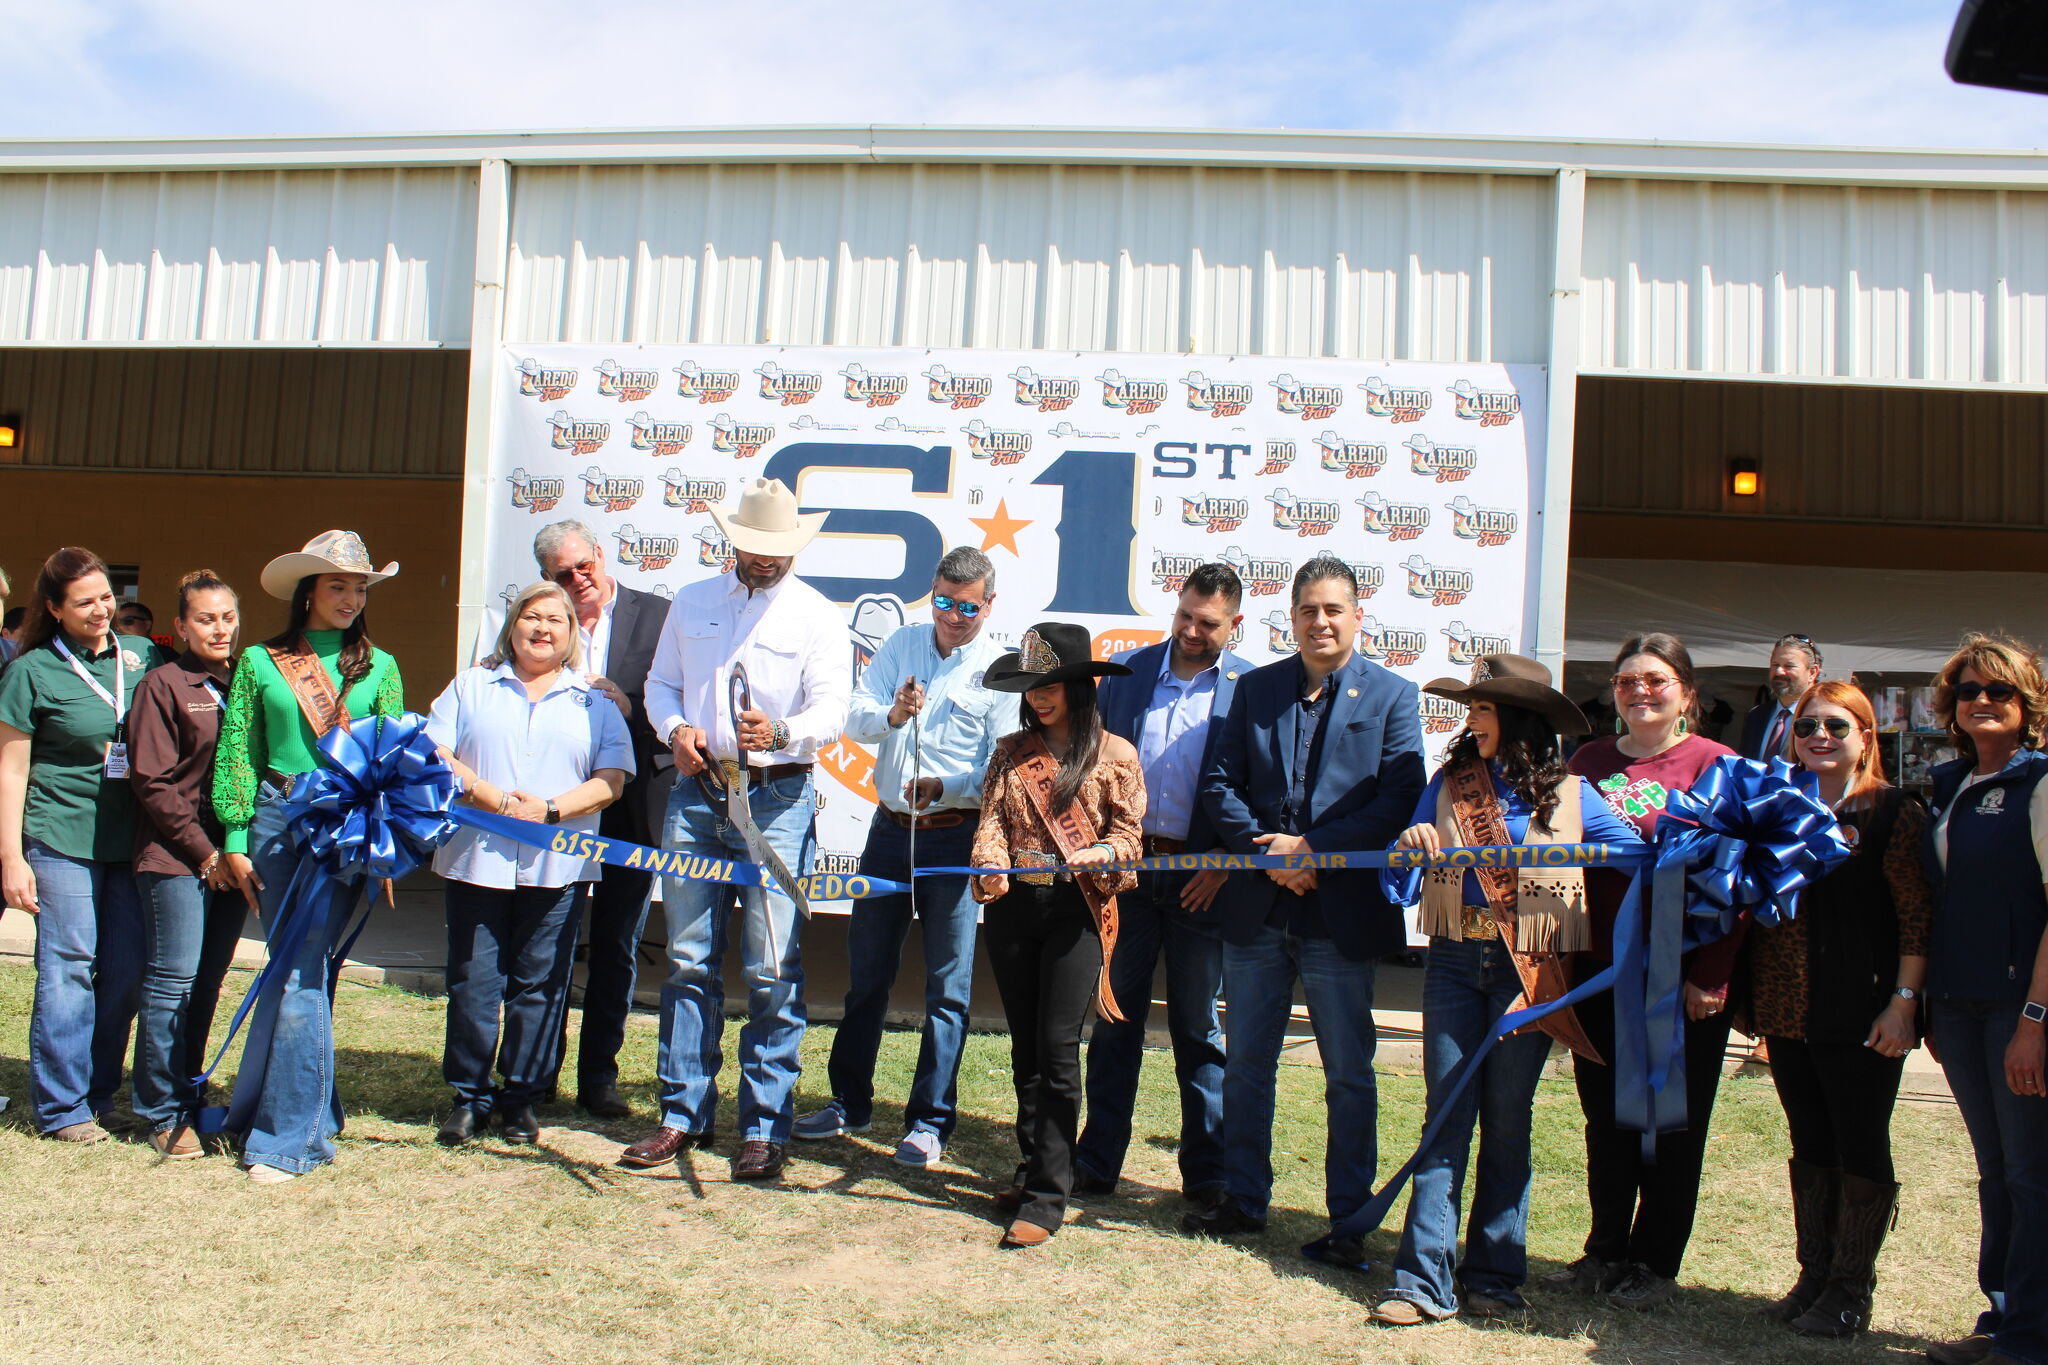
(535,495)
(1487,525)
(1440,715)
(1466,646)
(1396,405)
(1394,520)
(1309,402)
(1214,515)
(1279,457)
(577,437)
(789,387)
(1371,578)
(1279,632)
(1170,572)
(1047,393)
(741,440)
(1215,397)
(680,491)
(1303,516)
(628,386)
(1488,407)
(997,447)
(659,439)
(1135,396)
(547,384)
(873,390)
(1261,577)
(706,386)
(613,495)
(1442,585)
(957,391)
(714,551)
(1389,646)
(1447,464)
(1352,459)
(645,553)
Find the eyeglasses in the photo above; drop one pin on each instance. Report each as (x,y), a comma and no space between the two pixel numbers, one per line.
(1656,684)
(588,569)
(970,610)
(1838,727)
(1998,692)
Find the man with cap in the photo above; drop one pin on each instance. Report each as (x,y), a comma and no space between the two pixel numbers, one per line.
(932,673)
(1165,708)
(1320,753)
(791,642)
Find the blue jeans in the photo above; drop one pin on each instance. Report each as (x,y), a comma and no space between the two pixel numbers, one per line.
(190,934)
(1258,981)
(286,1104)
(946,916)
(693,996)
(509,948)
(2009,1134)
(88,976)
(1148,919)
(1466,987)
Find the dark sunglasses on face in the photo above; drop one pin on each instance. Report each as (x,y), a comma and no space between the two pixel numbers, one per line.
(1998,692)
(1838,727)
(562,577)
(970,610)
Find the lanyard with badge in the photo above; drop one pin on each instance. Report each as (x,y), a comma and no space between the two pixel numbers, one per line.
(116,765)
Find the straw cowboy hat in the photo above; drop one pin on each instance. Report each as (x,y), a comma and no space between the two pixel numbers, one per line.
(328,552)
(767,522)
(1514,680)
(1050,652)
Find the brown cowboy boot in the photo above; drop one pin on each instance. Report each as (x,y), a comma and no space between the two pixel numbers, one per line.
(1843,1308)
(1816,1199)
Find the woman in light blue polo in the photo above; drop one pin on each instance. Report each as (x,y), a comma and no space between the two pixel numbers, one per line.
(533,740)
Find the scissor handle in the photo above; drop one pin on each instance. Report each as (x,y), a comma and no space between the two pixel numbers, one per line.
(740,697)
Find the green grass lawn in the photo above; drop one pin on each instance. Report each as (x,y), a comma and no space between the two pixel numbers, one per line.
(404,1251)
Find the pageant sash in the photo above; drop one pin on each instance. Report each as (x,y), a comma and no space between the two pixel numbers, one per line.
(318,700)
(1039,770)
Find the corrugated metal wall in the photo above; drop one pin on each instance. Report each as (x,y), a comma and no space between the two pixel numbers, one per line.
(1899,456)
(349,257)
(1922,285)
(382,413)
(1263,262)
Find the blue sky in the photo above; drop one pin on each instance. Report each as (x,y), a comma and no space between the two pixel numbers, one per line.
(1866,73)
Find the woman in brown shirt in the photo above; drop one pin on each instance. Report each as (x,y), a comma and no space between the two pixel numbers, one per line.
(192,915)
(1834,990)
(1061,790)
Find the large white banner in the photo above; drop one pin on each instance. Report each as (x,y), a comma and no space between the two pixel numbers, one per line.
(1096,483)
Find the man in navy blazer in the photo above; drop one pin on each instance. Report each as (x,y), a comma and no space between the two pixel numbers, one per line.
(1169,709)
(1320,753)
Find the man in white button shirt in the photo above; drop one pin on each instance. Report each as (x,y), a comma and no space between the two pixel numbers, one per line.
(793,644)
(933,672)
(1795,666)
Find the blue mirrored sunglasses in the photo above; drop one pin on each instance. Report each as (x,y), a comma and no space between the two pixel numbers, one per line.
(970,610)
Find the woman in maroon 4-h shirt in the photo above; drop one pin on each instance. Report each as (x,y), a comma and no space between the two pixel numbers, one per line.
(1643,1212)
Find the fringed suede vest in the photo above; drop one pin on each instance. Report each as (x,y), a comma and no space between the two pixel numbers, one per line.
(1550,903)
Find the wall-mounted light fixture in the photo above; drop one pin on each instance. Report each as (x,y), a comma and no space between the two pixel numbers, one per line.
(10,431)
(1743,479)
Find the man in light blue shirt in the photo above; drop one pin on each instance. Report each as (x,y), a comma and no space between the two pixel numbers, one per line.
(934,673)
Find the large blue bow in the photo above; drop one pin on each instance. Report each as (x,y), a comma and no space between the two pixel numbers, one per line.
(378,807)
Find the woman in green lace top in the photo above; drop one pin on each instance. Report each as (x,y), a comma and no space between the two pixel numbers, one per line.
(322,664)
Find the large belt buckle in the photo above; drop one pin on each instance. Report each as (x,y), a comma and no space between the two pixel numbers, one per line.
(1479,924)
(735,774)
(1028,857)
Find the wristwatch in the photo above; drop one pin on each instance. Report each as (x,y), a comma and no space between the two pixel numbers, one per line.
(1906,993)
(554,816)
(2035,1011)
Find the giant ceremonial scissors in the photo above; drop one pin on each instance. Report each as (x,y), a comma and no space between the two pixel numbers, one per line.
(740,698)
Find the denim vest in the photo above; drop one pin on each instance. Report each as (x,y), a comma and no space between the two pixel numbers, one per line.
(1989,908)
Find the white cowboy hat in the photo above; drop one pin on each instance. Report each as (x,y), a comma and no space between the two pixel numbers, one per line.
(328,552)
(766,521)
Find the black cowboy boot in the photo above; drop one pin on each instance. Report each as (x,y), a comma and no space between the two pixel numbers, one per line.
(1843,1308)
(1816,1199)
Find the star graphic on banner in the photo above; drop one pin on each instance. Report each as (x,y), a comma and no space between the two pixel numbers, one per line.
(1000,530)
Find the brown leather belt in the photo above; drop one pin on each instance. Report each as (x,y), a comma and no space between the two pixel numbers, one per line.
(775,772)
(1159,846)
(281,781)
(938,819)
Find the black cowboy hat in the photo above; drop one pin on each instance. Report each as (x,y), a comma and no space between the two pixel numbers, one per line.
(1514,680)
(1050,652)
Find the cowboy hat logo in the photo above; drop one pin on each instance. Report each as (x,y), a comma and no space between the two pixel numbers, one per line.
(1388,646)
(535,494)
(1216,397)
(1371,578)
(1397,405)
(789,387)
(1440,715)
(645,553)
(997,447)
(628,386)
(686,494)
(1487,525)
(1261,577)
(957,391)
(1441,585)
(1352,459)
(1279,457)
(1466,646)
(873,390)
(1170,571)
(1309,402)
(1394,520)
(549,384)
(1214,515)
(1446,464)
(609,492)
(1488,407)
(737,439)
(1066,431)
(576,435)
(706,386)
(659,439)
(1303,516)
(714,551)
(1047,393)
(876,616)
(894,423)
(1135,397)
(1279,632)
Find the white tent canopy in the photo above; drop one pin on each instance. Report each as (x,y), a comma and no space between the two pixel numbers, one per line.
(1863,620)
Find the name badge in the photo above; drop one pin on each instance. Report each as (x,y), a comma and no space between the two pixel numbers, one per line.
(116,767)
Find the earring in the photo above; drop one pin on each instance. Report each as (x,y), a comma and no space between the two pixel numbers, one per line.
(1683,725)
(1620,728)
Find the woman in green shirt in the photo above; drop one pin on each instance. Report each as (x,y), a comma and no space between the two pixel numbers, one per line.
(66,835)
(320,671)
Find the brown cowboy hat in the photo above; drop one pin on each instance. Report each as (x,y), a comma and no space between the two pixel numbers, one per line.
(1515,680)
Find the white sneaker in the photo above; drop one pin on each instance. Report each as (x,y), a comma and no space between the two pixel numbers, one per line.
(270,1175)
(920,1147)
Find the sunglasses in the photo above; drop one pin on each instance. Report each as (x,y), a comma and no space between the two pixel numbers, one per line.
(1656,684)
(1998,692)
(561,577)
(970,610)
(1838,727)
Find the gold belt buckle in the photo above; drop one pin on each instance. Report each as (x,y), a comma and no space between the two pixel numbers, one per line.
(1479,923)
(1027,857)
(735,774)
